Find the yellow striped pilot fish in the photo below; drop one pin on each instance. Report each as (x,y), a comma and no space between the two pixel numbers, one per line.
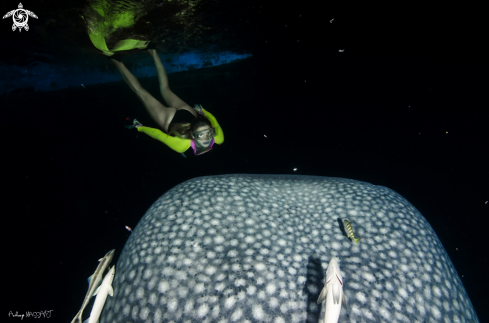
(349,231)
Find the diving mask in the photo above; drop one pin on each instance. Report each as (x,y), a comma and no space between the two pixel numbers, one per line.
(209,133)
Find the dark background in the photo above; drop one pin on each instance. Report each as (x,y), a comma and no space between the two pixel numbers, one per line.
(404,106)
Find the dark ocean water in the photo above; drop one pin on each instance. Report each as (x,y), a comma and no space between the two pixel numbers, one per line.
(403,106)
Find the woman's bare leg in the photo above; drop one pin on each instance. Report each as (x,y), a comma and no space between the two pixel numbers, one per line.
(160,114)
(170,98)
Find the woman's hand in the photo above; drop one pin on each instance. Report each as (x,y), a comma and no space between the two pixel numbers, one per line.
(199,108)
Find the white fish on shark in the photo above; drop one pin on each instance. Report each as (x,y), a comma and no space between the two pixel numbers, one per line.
(332,292)
(102,291)
(93,283)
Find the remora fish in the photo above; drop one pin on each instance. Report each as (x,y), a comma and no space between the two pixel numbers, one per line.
(349,231)
(332,292)
(101,292)
(93,282)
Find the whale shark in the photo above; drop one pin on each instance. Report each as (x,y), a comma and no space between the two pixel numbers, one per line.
(254,248)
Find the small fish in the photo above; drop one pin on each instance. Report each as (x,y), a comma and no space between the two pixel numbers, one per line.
(349,231)
(128,229)
(332,293)
(102,291)
(84,86)
(94,282)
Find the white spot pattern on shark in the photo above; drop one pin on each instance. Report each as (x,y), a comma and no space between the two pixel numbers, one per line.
(255,246)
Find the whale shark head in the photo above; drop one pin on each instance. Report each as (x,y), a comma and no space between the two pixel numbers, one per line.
(250,248)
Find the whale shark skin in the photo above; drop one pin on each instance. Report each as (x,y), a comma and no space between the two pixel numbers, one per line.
(254,248)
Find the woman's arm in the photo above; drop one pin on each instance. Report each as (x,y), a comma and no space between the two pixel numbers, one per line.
(177,144)
(219,137)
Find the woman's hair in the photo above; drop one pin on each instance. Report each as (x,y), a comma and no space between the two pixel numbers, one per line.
(185,130)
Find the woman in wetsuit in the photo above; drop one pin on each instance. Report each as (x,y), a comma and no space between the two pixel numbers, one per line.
(200,134)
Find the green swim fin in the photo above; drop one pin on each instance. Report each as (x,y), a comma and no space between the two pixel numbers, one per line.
(98,40)
(128,44)
(102,22)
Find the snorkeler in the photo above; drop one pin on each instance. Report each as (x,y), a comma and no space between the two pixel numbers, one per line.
(183,126)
